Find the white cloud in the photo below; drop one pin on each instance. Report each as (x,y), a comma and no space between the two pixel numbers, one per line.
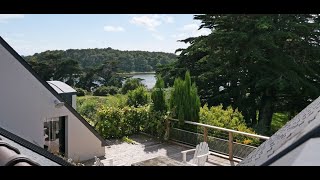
(167,19)
(5,17)
(151,22)
(148,21)
(190,27)
(179,36)
(158,36)
(190,30)
(113,28)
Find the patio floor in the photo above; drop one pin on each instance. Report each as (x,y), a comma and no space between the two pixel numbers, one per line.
(146,147)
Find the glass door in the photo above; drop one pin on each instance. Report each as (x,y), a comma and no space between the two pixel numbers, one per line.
(54,134)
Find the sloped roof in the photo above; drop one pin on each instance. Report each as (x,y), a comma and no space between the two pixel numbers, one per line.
(61,87)
(46,85)
(32,151)
(306,154)
(297,133)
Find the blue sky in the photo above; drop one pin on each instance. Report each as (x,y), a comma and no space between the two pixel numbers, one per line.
(34,33)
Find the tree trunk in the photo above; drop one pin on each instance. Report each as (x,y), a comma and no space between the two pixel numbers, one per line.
(251,113)
(246,116)
(291,114)
(265,113)
(253,116)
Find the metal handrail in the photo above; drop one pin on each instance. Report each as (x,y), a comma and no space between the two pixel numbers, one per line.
(223,129)
(205,135)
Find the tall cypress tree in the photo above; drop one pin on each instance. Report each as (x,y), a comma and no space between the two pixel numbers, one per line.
(158,96)
(184,101)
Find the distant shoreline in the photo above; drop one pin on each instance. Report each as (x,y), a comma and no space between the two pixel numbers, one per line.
(135,73)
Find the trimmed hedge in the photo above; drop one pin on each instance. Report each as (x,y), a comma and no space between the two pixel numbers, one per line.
(105,91)
(81,92)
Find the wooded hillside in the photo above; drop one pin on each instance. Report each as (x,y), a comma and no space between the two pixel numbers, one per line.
(127,61)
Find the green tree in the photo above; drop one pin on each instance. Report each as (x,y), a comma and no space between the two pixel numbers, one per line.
(67,71)
(43,69)
(107,74)
(259,60)
(127,61)
(138,97)
(72,65)
(131,84)
(158,96)
(184,100)
(53,66)
(88,80)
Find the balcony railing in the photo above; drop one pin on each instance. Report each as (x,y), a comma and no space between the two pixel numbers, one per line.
(224,145)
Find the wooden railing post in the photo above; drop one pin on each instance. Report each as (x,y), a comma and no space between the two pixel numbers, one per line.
(230,146)
(205,134)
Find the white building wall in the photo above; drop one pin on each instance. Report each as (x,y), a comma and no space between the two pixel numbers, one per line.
(25,104)
(74,101)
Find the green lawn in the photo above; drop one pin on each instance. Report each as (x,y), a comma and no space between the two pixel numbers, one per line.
(278,121)
(112,101)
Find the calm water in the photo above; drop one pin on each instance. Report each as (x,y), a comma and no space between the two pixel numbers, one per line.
(148,79)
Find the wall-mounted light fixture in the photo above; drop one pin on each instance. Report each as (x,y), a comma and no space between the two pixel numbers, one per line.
(58,104)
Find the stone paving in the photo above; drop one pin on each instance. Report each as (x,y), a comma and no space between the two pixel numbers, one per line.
(145,148)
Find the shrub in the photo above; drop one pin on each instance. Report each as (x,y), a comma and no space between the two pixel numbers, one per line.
(113,90)
(80,92)
(113,119)
(115,122)
(138,97)
(118,122)
(93,99)
(228,118)
(155,125)
(117,100)
(105,90)
(131,84)
(88,107)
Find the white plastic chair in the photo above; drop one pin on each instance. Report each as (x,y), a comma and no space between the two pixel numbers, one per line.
(97,162)
(200,155)
(110,160)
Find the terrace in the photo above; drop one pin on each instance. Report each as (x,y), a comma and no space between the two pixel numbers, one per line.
(225,151)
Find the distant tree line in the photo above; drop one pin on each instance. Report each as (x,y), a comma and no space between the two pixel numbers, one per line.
(127,61)
(91,68)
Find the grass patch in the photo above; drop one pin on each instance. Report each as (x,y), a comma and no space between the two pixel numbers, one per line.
(118,100)
(128,140)
(278,121)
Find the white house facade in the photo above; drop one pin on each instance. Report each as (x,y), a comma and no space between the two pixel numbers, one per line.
(33,110)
